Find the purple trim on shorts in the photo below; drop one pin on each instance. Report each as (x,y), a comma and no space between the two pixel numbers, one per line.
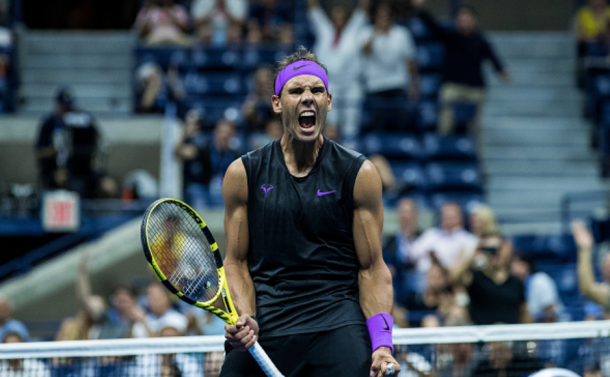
(380,329)
(298,68)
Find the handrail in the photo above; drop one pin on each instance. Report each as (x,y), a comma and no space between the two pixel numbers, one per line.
(569,198)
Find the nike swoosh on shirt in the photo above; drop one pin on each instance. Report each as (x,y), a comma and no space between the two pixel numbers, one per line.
(299,67)
(324,193)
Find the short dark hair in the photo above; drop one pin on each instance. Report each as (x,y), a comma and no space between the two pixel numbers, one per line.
(123,287)
(468,8)
(527,259)
(302,53)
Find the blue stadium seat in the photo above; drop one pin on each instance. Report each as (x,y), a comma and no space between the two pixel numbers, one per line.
(453,176)
(427,116)
(564,275)
(545,247)
(214,108)
(164,56)
(466,200)
(430,56)
(410,174)
(217,58)
(265,55)
(596,49)
(418,29)
(217,83)
(449,147)
(464,112)
(430,84)
(393,146)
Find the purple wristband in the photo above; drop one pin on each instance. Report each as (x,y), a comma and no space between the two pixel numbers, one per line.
(380,329)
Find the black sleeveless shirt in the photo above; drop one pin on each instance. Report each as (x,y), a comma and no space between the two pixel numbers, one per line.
(302,257)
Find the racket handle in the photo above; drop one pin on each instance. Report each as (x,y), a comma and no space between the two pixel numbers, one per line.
(264,361)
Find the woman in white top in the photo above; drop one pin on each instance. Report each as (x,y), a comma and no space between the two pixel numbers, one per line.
(337,44)
(390,70)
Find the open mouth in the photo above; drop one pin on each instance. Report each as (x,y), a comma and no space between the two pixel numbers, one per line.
(307,119)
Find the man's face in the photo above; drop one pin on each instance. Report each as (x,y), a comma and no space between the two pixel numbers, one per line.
(123,301)
(304,103)
(465,21)
(158,300)
(12,339)
(5,309)
(383,17)
(222,135)
(407,213)
(451,217)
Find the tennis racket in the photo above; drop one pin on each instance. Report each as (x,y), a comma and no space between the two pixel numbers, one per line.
(181,250)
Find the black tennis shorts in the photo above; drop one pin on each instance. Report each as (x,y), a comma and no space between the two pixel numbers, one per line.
(345,351)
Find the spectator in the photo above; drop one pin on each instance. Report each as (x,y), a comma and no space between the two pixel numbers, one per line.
(67,150)
(466,49)
(161,314)
(597,292)
(273,131)
(8,324)
(592,23)
(257,110)
(389,70)
(154,87)
(21,367)
(463,357)
(495,295)
(397,251)
(337,44)
(503,361)
(447,241)
(206,163)
(483,220)
(163,22)
(541,294)
(439,294)
(273,19)
(388,180)
(216,20)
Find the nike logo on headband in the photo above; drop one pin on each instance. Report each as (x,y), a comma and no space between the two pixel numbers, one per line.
(299,67)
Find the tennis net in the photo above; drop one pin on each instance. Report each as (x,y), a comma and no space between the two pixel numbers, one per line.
(507,350)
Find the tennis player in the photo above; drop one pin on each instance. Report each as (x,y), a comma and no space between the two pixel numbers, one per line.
(303,217)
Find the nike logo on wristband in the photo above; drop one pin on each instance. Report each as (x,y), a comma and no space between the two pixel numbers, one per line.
(387,327)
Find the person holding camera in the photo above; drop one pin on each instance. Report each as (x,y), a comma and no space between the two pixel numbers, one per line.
(496,296)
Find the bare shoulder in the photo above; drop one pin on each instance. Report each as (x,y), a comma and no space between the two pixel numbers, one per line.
(235,184)
(367,190)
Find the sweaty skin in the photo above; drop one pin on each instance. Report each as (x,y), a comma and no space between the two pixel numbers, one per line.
(301,146)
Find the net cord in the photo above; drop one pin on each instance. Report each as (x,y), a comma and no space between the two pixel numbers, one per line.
(196,344)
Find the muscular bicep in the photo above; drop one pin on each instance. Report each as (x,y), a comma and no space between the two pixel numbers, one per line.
(368,216)
(235,195)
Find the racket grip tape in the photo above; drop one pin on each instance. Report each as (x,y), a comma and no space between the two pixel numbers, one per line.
(264,361)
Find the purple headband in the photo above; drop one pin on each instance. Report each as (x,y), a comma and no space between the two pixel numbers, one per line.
(298,68)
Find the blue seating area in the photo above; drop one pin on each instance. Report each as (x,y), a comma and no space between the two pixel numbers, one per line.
(10,82)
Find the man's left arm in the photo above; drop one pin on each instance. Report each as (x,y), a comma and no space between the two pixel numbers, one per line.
(499,66)
(374,278)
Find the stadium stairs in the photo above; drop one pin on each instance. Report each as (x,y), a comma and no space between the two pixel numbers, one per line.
(535,147)
(97,65)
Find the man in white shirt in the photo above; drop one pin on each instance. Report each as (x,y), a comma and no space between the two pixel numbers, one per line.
(390,70)
(214,19)
(541,294)
(161,314)
(447,242)
(337,44)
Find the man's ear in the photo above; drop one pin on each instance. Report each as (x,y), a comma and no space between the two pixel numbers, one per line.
(277,104)
(330,101)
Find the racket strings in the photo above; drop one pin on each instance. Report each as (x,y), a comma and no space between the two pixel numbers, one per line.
(182,252)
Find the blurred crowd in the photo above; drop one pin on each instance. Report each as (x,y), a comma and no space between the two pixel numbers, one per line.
(443,276)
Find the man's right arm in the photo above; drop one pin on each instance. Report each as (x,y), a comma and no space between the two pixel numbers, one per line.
(235,193)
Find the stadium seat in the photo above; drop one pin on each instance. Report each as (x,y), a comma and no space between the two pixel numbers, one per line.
(392,146)
(265,55)
(430,56)
(164,56)
(466,200)
(214,84)
(545,247)
(453,176)
(449,147)
(214,108)
(409,174)
(430,84)
(217,58)
(427,116)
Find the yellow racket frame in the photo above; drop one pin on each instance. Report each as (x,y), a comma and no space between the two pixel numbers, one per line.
(229,315)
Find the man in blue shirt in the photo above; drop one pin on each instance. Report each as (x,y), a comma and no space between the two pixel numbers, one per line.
(8,325)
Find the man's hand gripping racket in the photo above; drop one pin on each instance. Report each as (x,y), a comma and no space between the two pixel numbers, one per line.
(183,253)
